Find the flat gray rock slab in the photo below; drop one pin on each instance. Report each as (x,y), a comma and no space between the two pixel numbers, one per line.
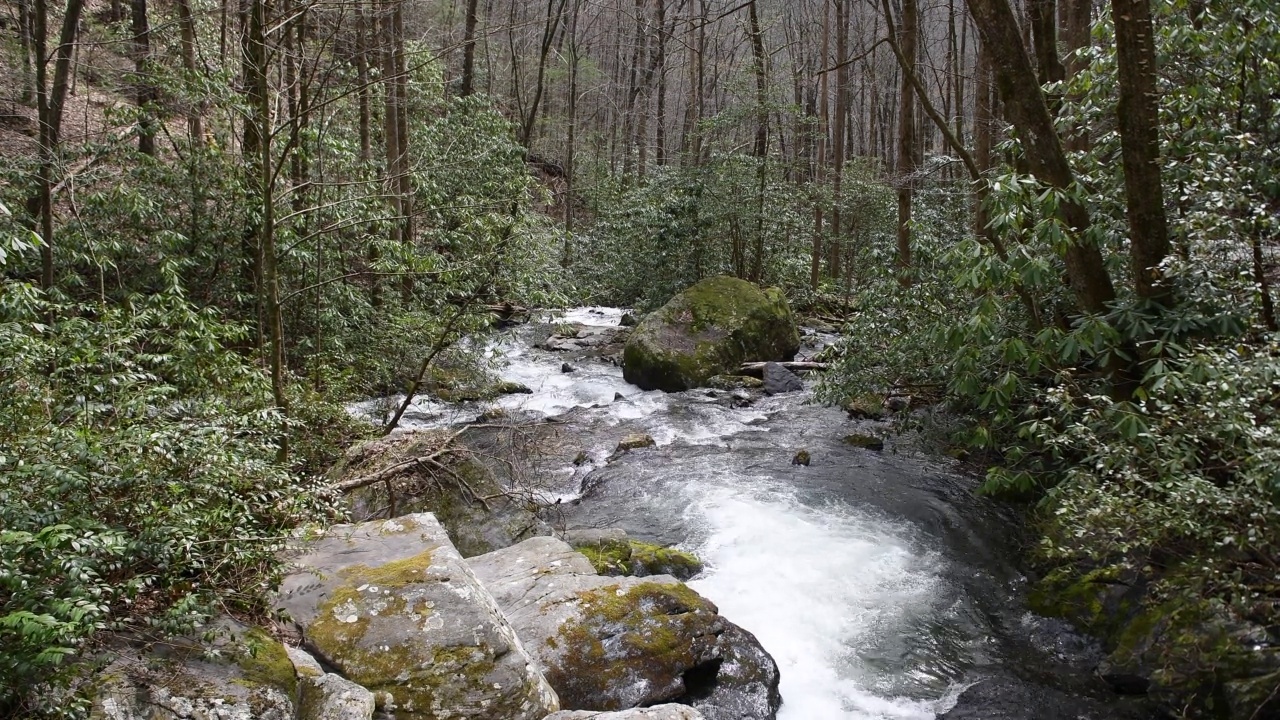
(393,607)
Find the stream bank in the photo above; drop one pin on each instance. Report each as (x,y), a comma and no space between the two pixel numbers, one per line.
(882,586)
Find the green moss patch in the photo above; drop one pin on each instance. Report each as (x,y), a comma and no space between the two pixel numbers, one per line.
(866,442)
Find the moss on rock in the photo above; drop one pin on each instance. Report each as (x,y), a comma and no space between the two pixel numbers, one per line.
(646,637)
(709,329)
(264,661)
(866,442)
(650,559)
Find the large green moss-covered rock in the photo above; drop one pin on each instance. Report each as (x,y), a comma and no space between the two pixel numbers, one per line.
(393,607)
(709,329)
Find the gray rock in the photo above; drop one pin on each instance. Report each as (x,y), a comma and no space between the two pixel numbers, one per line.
(327,696)
(628,320)
(392,606)
(594,636)
(1007,698)
(778,380)
(657,712)
(746,686)
(578,537)
(567,368)
(244,674)
(333,697)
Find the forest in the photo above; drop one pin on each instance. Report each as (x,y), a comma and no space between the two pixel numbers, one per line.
(1055,224)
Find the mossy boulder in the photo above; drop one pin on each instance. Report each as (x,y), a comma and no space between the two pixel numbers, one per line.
(709,329)
(621,556)
(611,643)
(635,442)
(657,712)
(392,606)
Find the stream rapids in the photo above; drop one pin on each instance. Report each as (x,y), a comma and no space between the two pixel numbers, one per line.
(877,580)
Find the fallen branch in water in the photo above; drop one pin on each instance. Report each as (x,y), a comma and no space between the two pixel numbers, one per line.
(757,368)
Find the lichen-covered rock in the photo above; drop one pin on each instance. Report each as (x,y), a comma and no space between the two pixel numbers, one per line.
(249,677)
(709,329)
(392,606)
(611,643)
(868,406)
(657,712)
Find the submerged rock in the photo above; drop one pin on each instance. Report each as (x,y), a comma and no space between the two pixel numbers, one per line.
(1005,698)
(657,712)
(709,329)
(611,643)
(866,442)
(734,382)
(392,606)
(801,458)
(635,442)
(779,380)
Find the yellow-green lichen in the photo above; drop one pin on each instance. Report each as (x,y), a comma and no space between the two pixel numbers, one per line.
(394,574)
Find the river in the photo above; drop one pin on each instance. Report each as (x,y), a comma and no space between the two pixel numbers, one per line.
(881,585)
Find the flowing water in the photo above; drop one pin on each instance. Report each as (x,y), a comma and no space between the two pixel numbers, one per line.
(878,582)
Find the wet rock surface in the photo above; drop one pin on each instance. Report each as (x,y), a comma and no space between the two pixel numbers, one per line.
(1006,698)
(611,643)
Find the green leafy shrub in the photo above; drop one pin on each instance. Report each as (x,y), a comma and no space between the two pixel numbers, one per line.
(138,486)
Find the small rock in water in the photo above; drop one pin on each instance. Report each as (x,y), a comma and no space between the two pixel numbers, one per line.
(567,368)
(635,442)
(867,442)
(628,320)
(618,396)
(778,380)
(580,458)
(801,458)
(741,399)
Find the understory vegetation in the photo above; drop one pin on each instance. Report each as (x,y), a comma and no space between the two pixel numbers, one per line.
(196,281)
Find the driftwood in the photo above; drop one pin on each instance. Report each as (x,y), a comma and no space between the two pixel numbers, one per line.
(757,368)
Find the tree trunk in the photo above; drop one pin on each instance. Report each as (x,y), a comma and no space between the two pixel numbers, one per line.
(24,41)
(555,11)
(660,119)
(1138,112)
(762,134)
(469,50)
(906,168)
(144,92)
(49,106)
(187,28)
(1027,109)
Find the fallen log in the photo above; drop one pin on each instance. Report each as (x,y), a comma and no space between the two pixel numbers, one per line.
(757,368)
